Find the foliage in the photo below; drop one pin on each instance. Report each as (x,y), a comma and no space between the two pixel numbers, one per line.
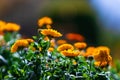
(37,62)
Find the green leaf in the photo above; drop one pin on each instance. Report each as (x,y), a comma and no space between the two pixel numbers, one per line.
(29,55)
(34,37)
(7,36)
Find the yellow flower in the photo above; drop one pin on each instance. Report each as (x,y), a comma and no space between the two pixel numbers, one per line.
(70,53)
(19,43)
(80,45)
(74,37)
(74,62)
(2,24)
(14,48)
(51,32)
(44,21)
(102,55)
(30,40)
(59,42)
(89,52)
(65,47)
(51,49)
(12,27)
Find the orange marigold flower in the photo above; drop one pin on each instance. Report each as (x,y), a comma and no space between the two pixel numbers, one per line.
(12,27)
(51,49)
(14,48)
(102,54)
(30,40)
(65,47)
(19,43)
(70,53)
(44,21)
(74,36)
(2,24)
(59,42)
(89,52)
(80,45)
(51,32)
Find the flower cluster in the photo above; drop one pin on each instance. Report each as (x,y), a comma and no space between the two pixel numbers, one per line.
(45,58)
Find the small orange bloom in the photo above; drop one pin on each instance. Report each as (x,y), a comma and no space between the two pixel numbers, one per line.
(59,42)
(2,24)
(51,32)
(89,52)
(19,43)
(65,47)
(51,49)
(44,21)
(102,54)
(74,36)
(12,27)
(70,53)
(80,45)
(30,40)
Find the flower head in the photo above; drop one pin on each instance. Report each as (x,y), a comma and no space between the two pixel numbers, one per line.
(89,52)
(59,42)
(12,27)
(30,40)
(80,45)
(2,24)
(19,43)
(65,47)
(44,21)
(51,32)
(74,36)
(70,53)
(51,49)
(102,55)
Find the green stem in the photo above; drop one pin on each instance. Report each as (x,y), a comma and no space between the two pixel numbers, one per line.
(90,69)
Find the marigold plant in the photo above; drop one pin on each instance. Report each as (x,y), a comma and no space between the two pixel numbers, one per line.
(44,58)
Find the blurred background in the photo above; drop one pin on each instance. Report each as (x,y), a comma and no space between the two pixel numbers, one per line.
(96,20)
